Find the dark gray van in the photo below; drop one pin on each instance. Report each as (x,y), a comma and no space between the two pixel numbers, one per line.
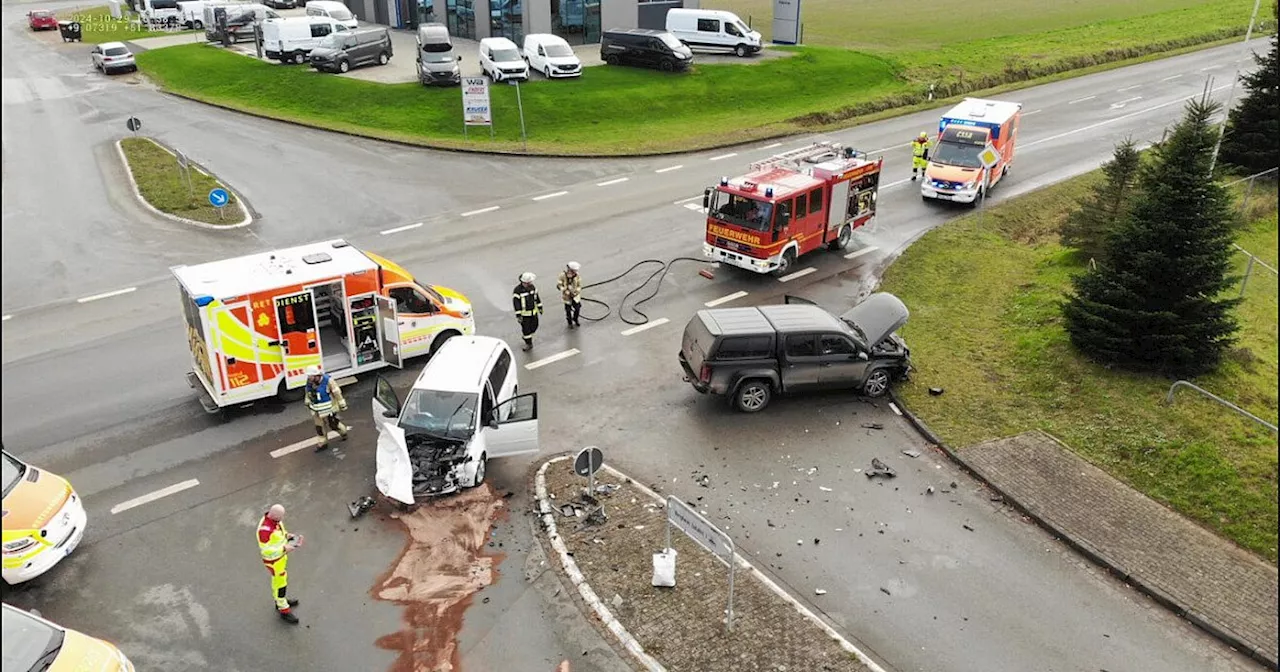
(437,61)
(752,354)
(353,48)
(645,48)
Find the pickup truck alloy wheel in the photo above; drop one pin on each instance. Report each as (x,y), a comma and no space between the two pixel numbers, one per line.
(877,383)
(752,396)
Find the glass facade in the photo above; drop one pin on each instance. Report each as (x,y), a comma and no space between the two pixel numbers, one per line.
(461,18)
(507,19)
(577,21)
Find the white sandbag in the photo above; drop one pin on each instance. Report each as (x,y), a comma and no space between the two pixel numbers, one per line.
(664,568)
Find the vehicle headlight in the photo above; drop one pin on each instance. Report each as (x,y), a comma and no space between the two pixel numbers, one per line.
(18,545)
(970,184)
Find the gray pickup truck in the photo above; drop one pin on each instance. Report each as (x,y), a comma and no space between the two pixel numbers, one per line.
(752,354)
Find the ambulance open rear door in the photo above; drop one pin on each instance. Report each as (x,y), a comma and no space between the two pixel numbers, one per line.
(389,331)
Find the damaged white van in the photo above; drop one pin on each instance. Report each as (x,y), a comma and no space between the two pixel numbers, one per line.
(463,410)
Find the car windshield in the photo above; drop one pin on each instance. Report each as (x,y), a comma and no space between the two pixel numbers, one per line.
(440,414)
(341,15)
(29,644)
(428,57)
(742,211)
(42,14)
(116,51)
(437,48)
(558,50)
(505,55)
(953,154)
(670,40)
(13,471)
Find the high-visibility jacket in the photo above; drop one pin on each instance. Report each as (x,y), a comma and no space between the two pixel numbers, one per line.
(272,538)
(525,301)
(920,148)
(570,288)
(320,397)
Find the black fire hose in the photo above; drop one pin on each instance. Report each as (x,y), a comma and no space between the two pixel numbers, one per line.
(659,273)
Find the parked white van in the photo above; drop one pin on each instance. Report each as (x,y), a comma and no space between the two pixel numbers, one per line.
(500,59)
(551,55)
(291,39)
(191,14)
(160,12)
(713,30)
(333,10)
(463,410)
(240,18)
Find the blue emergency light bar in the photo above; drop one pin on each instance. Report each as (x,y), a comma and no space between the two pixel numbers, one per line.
(947,121)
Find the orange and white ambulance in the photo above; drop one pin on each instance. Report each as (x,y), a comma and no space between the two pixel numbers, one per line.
(44,520)
(33,644)
(255,323)
(957,171)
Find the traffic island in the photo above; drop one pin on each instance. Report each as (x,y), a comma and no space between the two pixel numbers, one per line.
(172,186)
(682,628)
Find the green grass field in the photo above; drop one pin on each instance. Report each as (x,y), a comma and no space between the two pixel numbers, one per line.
(97,26)
(901,51)
(161,182)
(985,326)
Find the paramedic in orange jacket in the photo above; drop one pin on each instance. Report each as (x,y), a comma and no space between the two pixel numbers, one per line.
(275,543)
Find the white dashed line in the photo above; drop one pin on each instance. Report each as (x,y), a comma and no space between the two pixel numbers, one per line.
(725,299)
(481,211)
(669,169)
(1210,67)
(885,149)
(798,274)
(686,200)
(295,447)
(1170,77)
(1115,119)
(1129,88)
(552,359)
(6,318)
(776,144)
(153,496)
(858,253)
(694,207)
(1027,114)
(1126,101)
(398,229)
(895,408)
(647,325)
(551,195)
(1080,100)
(614,181)
(106,295)
(723,156)
(894,184)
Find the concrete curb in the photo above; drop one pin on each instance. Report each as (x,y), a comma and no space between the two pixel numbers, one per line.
(629,642)
(133,183)
(1094,555)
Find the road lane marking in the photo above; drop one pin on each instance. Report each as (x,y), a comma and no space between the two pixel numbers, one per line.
(552,359)
(1080,100)
(6,318)
(859,253)
(1170,77)
(643,327)
(798,274)
(1113,120)
(723,156)
(895,408)
(1027,114)
(153,496)
(669,169)
(305,443)
(481,211)
(1126,101)
(614,181)
(724,299)
(551,195)
(398,229)
(694,207)
(1129,88)
(894,184)
(106,295)
(885,149)
(686,200)
(1210,67)
(776,144)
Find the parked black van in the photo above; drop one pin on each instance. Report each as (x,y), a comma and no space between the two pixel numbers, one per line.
(352,48)
(645,48)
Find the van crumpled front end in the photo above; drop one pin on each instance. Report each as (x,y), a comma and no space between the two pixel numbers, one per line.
(437,465)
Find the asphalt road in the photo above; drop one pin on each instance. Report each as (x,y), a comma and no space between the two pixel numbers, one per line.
(94,391)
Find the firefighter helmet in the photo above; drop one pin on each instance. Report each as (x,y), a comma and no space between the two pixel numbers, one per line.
(527,277)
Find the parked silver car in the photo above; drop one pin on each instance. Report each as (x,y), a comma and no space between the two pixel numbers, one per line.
(112,57)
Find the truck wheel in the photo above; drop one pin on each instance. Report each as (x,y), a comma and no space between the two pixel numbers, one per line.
(842,240)
(198,25)
(299,57)
(479,480)
(667,65)
(752,396)
(383,58)
(740,51)
(786,264)
(344,66)
(611,60)
(288,396)
(877,383)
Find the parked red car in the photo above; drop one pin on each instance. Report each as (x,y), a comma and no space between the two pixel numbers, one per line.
(42,19)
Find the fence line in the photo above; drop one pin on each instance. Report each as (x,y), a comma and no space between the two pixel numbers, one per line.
(1168,400)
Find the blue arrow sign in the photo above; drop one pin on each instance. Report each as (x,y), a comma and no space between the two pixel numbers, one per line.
(218,198)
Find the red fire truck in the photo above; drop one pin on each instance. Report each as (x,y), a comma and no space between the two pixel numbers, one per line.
(790,204)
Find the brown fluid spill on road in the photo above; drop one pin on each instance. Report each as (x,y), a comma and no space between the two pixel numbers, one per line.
(442,565)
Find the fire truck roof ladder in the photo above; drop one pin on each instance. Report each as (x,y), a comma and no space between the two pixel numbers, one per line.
(826,150)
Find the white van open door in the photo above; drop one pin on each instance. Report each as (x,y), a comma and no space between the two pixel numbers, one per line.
(393,470)
(518,433)
(389,331)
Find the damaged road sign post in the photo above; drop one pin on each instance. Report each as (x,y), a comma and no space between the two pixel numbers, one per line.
(587,463)
(708,536)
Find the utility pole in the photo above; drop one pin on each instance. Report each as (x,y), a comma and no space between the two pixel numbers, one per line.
(1231,93)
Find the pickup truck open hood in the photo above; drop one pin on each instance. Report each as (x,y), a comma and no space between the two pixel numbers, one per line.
(878,316)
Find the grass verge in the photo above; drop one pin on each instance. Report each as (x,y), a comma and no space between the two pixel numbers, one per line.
(715,104)
(97,26)
(984,293)
(162,184)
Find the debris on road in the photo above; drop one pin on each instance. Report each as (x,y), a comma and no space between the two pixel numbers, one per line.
(872,425)
(968,528)
(879,468)
(929,490)
(824,488)
(911,452)
(885,590)
(819,591)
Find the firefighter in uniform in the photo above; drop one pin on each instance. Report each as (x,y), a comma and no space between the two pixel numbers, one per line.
(322,393)
(275,544)
(919,154)
(570,286)
(528,306)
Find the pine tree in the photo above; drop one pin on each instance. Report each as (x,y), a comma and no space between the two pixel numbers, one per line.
(1252,139)
(1086,229)
(1156,303)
